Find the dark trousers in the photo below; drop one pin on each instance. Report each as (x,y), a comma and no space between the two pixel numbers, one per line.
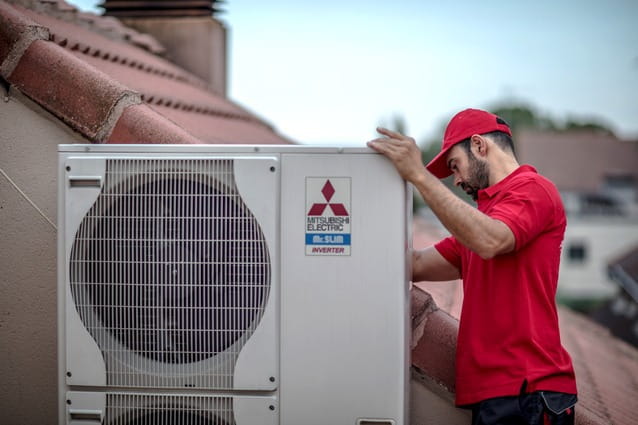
(537,408)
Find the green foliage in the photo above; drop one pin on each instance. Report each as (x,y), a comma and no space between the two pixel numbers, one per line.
(587,125)
(585,306)
(521,116)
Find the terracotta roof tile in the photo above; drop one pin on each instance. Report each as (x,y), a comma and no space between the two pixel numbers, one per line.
(434,352)
(237,131)
(88,80)
(78,94)
(84,40)
(606,368)
(141,124)
(157,88)
(17,32)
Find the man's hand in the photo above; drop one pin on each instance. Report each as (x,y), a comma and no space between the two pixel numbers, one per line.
(482,234)
(402,151)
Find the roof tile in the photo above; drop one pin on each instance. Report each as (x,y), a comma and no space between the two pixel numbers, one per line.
(86,40)
(435,351)
(16,34)
(110,74)
(238,130)
(141,124)
(80,95)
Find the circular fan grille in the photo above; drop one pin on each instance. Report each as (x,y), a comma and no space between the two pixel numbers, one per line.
(176,269)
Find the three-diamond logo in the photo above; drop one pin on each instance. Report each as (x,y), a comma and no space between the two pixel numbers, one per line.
(338,209)
(328,216)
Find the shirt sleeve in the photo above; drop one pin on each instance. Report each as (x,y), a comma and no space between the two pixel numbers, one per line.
(450,250)
(527,209)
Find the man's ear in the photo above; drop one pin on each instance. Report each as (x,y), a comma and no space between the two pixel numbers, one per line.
(478,145)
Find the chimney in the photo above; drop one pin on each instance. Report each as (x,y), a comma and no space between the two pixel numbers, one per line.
(194,39)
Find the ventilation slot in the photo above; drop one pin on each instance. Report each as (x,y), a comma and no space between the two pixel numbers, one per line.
(144,409)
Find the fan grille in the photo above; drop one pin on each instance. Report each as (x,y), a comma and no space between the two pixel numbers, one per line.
(169,262)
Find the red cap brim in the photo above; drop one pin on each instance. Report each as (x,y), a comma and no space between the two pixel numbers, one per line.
(438,165)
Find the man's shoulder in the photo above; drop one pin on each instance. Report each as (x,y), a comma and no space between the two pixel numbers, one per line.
(529,176)
(530,184)
(533,185)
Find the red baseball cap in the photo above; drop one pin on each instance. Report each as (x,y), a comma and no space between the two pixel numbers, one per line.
(463,126)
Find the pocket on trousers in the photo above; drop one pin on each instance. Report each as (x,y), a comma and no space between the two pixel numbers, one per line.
(559,408)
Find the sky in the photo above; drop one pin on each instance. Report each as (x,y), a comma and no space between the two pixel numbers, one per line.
(328,72)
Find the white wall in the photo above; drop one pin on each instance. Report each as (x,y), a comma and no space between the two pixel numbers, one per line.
(604,238)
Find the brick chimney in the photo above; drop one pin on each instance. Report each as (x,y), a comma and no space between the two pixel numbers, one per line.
(194,39)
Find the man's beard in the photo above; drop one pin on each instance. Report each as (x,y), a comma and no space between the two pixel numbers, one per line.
(479,177)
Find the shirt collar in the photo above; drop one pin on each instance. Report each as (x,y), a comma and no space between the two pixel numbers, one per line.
(490,192)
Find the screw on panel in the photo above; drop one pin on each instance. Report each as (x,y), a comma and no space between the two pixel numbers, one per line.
(272,169)
(68,402)
(271,407)
(272,379)
(68,374)
(68,168)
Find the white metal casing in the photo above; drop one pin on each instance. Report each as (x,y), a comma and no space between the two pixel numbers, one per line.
(331,344)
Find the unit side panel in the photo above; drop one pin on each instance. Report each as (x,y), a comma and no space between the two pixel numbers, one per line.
(343,314)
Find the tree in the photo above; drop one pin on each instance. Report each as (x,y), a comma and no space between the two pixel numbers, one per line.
(521,116)
(573,124)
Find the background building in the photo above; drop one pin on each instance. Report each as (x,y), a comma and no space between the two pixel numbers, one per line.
(597,176)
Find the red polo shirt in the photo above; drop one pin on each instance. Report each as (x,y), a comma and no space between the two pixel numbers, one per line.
(508,331)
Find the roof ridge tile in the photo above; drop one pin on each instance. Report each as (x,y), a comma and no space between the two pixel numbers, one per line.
(127,98)
(142,124)
(434,345)
(17,32)
(84,97)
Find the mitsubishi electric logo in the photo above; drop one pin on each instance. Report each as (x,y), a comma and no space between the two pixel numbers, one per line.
(328,216)
(337,209)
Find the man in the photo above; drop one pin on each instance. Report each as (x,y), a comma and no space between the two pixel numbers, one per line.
(510,365)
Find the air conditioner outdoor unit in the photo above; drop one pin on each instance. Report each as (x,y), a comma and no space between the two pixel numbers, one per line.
(232,285)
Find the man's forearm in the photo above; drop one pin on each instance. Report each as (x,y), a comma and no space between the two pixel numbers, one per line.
(477,231)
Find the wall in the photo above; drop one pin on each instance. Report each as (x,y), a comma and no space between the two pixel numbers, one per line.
(430,404)
(605,238)
(28,305)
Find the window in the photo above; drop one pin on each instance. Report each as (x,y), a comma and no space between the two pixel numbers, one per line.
(623,187)
(577,252)
(599,204)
